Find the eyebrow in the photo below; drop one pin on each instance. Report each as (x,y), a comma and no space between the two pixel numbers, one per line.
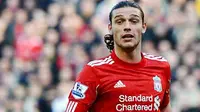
(130,15)
(118,16)
(135,15)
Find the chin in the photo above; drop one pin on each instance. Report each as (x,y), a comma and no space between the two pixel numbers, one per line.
(128,47)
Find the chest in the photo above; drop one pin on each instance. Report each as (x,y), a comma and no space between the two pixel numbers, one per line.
(132,82)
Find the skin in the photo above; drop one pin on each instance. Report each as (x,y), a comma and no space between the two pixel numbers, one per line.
(167,108)
(128,20)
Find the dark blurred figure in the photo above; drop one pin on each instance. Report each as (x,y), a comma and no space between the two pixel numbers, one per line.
(2,5)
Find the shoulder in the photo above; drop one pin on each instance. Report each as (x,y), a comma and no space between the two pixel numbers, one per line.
(92,68)
(156,60)
(154,57)
(101,62)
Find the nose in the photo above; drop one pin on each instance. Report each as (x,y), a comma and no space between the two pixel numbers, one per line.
(127,27)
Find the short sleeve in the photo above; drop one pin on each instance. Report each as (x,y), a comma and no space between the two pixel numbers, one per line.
(166,98)
(84,91)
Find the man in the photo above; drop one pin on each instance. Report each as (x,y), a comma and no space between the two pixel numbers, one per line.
(127,80)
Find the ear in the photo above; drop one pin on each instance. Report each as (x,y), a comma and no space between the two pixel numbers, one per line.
(144,28)
(110,28)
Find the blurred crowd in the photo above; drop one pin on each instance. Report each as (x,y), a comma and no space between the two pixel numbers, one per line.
(45,43)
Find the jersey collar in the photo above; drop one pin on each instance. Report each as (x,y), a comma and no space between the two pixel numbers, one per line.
(126,64)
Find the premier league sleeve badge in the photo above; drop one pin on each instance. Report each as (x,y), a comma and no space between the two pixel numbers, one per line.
(79,90)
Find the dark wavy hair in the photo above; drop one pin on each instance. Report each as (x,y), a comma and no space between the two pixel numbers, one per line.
(108,38)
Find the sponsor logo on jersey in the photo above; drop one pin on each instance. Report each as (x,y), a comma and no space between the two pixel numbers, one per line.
(156,103)
(119,84)
(138,103)
(157,84)
(79,90)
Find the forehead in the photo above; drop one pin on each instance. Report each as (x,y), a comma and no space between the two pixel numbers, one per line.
(126,11)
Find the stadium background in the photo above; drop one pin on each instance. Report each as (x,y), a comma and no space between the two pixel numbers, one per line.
(45,43)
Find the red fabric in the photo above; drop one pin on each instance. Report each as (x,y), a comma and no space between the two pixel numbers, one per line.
(116,86)
(65,38)
(19,29)
(60,62)
(28,48)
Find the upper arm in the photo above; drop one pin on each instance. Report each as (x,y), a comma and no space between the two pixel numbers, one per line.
(167,108)
(83,93)
(166,98)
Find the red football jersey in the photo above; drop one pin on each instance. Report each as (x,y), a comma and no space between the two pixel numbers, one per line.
(112,85)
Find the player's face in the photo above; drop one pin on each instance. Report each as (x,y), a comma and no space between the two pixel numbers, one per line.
(127,27)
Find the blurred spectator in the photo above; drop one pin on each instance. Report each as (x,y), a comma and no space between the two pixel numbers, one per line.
(34,91)
(20,21)
(79,58)
(60,102)
(86,9)
(54,15)
(29,44)
(13,5)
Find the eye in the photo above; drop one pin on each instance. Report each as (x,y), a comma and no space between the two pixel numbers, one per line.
(134,21)
(119,21)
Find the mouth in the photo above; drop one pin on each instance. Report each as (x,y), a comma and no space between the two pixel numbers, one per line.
(127,36)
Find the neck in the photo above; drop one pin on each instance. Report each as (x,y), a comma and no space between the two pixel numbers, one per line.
(129,56)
